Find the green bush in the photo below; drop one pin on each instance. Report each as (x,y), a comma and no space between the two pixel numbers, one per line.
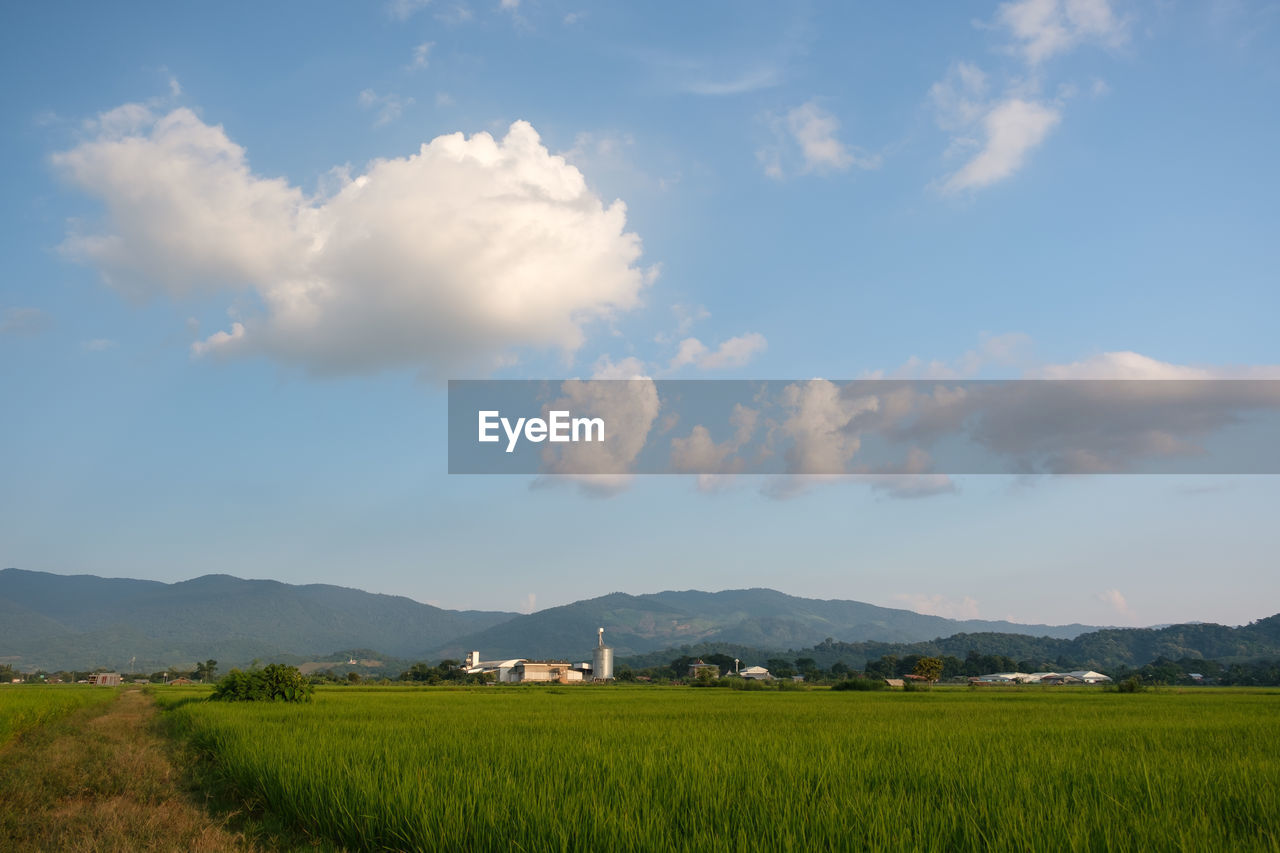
(275,682)
(1132,684)
(860,684)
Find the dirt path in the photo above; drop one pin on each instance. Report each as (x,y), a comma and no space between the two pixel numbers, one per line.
(105,779)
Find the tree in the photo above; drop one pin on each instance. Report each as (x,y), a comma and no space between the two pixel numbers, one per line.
(274,682)
(779,667)
(930,669)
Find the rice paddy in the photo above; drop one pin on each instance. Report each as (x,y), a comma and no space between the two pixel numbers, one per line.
(590,768)
(23,707)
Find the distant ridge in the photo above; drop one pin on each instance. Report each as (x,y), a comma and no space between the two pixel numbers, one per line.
(64,621)
(758,618)
(82,621)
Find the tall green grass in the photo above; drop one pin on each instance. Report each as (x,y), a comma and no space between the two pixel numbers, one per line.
(644,769)
(25,706)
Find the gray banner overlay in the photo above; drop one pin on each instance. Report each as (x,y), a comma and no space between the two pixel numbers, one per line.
(875,428)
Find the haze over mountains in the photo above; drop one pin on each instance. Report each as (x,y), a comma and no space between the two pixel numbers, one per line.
(82,621)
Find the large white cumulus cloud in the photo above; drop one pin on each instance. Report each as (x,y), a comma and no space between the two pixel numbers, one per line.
(457,255)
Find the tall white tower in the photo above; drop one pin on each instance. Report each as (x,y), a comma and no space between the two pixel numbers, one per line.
(601,660)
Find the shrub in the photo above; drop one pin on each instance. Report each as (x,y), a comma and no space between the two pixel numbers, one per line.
(860,684)
(1132,684)
(911,686)
(275,682)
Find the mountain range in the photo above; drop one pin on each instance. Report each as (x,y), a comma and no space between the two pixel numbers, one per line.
(83,621)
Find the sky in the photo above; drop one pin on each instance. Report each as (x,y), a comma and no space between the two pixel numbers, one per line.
(246,247)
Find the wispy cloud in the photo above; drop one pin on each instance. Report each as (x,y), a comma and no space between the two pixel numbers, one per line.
(421,55)
(1043,29)
(808,137)
(389,107)
(749,80)
(1011,129)
(734,352)
(24,322)
(403,10)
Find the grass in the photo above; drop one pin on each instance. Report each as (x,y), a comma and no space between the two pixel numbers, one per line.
(23,707)
(101,779)
(642,769)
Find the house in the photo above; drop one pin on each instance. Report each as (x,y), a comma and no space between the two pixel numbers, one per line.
(757,672)
(105,679)
(895,682)
(700,666)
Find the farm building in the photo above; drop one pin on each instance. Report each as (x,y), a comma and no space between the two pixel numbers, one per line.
(757,672)
(1079,676)
(516,670)
(700,666)
(105,679)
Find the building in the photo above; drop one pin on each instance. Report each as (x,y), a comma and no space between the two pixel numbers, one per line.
(1079,676)
(105,679)
(515,670)
(503,671)
(561,672)
(757,672)
(700,666)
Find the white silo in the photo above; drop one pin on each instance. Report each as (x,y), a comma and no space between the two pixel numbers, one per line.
(602,660)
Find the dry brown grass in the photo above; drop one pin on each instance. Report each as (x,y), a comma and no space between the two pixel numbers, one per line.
(105,780)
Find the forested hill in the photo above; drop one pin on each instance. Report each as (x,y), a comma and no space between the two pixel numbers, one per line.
(1109,648)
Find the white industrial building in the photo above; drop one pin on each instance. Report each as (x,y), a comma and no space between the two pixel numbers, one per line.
(1079,676)
(516,670)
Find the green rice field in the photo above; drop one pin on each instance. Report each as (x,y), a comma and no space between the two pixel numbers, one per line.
(25,706)
(591,768)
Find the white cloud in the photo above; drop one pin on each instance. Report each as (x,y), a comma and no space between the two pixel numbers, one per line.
(992,350)
(1012,128)
(960,98)
(403,10)
(24,322)
(1116,601)
(629,408)
(454,256)
(422,54)
(814,130)
(811,133)
(1131,365)
(734,352)
(939,605)
(699,453)
(1046,28)
(390,106)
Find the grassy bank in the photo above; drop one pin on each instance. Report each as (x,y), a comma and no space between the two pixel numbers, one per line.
(617,768)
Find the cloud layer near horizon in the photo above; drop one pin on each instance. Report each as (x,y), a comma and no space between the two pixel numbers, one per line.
(456,256)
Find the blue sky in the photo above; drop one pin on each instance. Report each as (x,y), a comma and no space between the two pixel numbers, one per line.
(1044,187)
